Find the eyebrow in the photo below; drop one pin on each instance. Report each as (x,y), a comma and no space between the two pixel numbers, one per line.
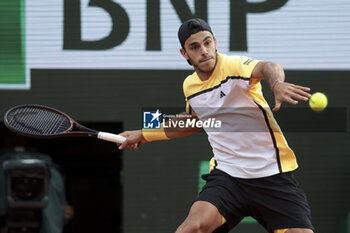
(195,42)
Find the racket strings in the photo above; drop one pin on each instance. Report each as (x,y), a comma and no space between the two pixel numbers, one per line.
(38,121)
(52,127)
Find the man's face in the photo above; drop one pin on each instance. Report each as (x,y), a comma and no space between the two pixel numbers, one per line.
(200,49)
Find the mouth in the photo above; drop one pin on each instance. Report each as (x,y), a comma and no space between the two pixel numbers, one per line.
(205,59)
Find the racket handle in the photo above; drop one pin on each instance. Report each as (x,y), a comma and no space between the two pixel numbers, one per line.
(111,137)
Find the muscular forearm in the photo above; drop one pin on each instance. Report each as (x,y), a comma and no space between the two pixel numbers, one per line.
(176,127)
(272,73)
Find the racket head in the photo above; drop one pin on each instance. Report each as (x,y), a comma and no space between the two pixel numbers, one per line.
(38,121)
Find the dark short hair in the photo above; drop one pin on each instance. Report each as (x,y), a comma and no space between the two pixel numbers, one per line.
(190,27)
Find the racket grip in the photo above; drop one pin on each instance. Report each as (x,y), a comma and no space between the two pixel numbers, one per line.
(111,137)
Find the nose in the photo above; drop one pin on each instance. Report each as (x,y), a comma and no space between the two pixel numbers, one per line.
(204,50)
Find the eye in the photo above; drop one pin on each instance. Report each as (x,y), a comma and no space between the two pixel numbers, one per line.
(194,47)
(208,42)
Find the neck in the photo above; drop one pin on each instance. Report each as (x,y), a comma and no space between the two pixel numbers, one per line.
(203,75)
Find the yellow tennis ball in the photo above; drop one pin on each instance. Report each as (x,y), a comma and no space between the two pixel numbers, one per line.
(318,102)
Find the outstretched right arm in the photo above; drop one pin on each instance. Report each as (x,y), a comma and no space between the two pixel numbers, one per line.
(138,137)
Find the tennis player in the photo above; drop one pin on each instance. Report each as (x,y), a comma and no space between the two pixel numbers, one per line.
(252,170)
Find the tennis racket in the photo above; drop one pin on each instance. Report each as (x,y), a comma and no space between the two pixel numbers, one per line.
(39,121)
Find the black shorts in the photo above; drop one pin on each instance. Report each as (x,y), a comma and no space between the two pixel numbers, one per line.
(276,202)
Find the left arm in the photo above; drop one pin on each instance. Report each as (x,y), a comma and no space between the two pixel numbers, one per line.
(273,74)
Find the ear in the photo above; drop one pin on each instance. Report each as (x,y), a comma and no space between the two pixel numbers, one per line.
(216,45)
(184,54)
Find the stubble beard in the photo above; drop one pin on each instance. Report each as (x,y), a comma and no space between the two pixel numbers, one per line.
(209,70)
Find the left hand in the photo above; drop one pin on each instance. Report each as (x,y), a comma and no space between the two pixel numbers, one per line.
(288,92)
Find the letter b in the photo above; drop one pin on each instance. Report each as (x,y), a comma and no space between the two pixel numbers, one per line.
(72,25)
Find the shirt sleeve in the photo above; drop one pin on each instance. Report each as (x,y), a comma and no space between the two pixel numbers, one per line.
(246,66)
(188,108)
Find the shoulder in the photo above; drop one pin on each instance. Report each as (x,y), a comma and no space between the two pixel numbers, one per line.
(235,60)
(189,80)
(238,65)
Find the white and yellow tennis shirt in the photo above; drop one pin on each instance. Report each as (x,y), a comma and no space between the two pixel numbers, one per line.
(249,143)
